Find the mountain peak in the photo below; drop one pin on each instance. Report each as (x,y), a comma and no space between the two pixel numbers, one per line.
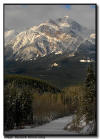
(51,36)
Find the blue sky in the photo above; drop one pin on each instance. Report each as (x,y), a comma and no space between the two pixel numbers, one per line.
(92,6)
(68,6)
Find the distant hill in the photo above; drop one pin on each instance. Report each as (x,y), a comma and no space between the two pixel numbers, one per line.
(59,70)
(21,81)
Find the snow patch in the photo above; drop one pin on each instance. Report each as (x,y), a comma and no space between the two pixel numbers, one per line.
(86,60)
(59,52)
(37,55)
(93,35)
(43,55)
(64,25)
(54,65)
(16,59)
(88,129)
(52,128)
(33,28)
(71,55)
(66,16)
(82,121)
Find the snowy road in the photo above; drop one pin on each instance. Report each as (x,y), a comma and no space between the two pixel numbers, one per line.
(55,127)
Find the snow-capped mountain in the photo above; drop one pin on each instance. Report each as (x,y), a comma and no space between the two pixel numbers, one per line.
(60,35)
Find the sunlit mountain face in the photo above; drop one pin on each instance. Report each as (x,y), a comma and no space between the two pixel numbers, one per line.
(53,36)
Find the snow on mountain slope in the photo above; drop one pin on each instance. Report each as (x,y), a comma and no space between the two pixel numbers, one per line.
(48,37)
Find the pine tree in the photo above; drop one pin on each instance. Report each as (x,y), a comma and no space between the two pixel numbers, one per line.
(90,95)
(87,103)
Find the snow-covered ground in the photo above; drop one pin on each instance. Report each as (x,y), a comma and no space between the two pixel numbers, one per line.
(54,127)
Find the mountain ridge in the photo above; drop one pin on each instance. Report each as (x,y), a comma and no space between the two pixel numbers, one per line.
(52,36)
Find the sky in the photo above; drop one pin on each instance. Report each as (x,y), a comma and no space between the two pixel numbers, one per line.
(21,17)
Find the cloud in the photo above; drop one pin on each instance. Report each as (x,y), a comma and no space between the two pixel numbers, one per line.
(20,17)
